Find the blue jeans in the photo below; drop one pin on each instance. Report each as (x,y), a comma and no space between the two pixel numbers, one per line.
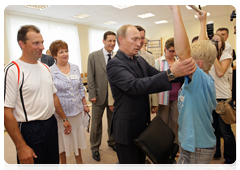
(229,139)
(200,156)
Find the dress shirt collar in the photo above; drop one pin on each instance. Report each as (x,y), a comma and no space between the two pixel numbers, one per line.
(105,53)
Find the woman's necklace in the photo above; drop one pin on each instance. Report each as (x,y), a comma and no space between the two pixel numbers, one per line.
(63,67)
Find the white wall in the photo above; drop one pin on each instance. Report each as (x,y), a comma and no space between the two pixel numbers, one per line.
(84,47)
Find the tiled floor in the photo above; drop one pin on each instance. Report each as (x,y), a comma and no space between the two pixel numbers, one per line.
(108,156)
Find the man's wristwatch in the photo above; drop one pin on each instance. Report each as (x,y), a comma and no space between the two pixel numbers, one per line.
(170,75)
(64,120)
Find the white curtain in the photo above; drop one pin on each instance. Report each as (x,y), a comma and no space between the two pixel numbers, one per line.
(50,30)
(96,39)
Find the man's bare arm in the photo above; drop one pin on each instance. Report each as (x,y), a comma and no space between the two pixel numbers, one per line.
(181,43)
(25,153)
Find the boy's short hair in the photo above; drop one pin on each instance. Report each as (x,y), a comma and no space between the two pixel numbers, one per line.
(205,51)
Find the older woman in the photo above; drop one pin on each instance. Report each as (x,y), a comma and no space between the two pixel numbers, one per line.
(168,100)
(219,72)
(70,91)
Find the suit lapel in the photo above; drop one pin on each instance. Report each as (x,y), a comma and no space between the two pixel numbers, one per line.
(130,64)
(102,59)
(141,65)
(140,62)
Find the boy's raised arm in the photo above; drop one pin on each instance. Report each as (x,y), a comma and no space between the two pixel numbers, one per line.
(181,43)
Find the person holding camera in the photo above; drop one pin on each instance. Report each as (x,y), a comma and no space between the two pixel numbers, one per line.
(219,71)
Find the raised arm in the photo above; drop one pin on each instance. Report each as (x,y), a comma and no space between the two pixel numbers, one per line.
(203,19)
(181,43)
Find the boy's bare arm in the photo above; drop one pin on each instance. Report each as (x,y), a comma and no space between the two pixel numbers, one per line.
(181,43)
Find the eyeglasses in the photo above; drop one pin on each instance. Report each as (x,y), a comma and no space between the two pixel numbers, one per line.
(171,51)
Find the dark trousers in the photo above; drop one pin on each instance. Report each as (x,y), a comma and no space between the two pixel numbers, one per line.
(130,154)
(42,137)
(96,125)
(229,139)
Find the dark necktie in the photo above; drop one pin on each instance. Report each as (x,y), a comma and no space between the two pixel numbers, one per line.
(109,57)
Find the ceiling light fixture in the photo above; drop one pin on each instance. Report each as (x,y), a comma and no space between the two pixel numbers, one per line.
(161,22)
(122,6)
(147,15)
(81,16)
(208,14)
(38,7)
(110,22)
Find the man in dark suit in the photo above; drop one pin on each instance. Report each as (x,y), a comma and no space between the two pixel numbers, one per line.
(132,79)
(98,92)
(47,59)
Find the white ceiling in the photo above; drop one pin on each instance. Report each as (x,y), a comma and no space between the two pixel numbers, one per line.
(103,13)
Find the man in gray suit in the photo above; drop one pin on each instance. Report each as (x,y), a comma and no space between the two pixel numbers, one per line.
(153,98)
(98,92)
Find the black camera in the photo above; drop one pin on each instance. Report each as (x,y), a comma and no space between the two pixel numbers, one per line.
(216,45)
(210,29)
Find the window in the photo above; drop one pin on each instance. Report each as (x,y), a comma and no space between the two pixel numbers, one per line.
(96,39)
(50,30)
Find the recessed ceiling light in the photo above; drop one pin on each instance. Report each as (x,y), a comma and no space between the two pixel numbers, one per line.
(161,22)
(188,7)
(110,22)
(147,15)
(208,14)
(122,6)
(81,16)
(38,7)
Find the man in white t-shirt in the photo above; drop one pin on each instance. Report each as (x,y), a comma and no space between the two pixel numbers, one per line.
(30,102)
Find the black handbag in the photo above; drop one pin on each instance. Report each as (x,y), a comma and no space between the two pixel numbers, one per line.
(156,141)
